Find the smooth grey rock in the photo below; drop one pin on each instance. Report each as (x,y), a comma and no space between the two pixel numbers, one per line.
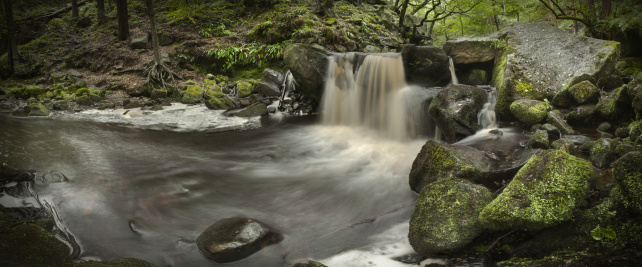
(140,42)
(270,83)
(425,66)
(454,110)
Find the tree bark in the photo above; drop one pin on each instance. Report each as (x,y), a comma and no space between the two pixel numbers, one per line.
(152,23)
(74,8)
(402,16)
(123,19)
(12,54)
(606,9)
(100,6)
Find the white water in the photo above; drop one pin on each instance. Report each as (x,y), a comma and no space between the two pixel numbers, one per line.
(375,96)
(451,67)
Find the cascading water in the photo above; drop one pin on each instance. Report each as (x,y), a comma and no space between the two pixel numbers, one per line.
(373,95)
(451,67)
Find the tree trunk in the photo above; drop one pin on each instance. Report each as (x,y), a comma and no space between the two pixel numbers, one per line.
(123,19)
(606,9)
(402,16)
(152,23)
(590,8)
(12,53)
(100,6)
(74,8)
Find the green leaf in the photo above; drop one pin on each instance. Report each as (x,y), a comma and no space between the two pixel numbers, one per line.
(600,233)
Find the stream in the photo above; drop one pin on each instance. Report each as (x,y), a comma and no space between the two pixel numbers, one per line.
(338,194)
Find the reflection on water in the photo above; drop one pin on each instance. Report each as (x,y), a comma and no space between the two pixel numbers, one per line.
(145,193)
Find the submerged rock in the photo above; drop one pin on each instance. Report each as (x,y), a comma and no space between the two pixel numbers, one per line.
(455,109)
(445,217)
(308,64)
(628,172)
(236,238)
(544,193)
(425,66)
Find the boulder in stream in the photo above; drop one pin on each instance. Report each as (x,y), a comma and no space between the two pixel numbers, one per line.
(235,238)
(544,193)
(270,84)
(425,66)
(529,111)
(466,50)
(628,172)
(308,64)
(455,109)
(445,217)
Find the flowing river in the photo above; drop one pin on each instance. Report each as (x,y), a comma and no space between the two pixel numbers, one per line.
(338,194)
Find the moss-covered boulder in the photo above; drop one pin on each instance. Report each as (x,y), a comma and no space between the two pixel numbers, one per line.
(539,139)
(529,111)
(192,94)
(582,115)
(635,131)
(236,238)
(158,93)
(565,145)
(220,103)
(555,118)
(616,105)
(454,110)
(584,93)
(604,152)
(545,192)
(245,88)
(466,50)
(38,109)
(628,172)
(308,64)
(425,65)
(254,110)
(445,217)
(309,264)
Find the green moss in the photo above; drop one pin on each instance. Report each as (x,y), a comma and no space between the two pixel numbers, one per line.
(30,245)
(504,97)
(219,103)
(192,94)
(213,92)
(82,91)
(628,172)
(528,111)
(245,88)
(584,92)
(38,109)
(445,215)
(544,192)
(124,262)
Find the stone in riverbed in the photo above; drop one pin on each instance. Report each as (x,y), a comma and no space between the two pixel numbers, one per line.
(455,109)
(308,64)
(236,238)
(529,111)
(270,83)
(544,193)
(445,217)
(257,109)
(38,109)
(584,93)
(628,172)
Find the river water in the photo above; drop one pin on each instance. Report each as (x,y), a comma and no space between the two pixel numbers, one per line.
(338,194)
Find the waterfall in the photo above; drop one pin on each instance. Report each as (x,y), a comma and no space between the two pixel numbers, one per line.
(486,116)
(372,94)
(451,67)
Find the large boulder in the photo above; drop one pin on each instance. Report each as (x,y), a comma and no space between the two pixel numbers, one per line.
(584,92)
(235,238)
(425,66)
(628,172)
(545,192)
(467,50)
(542,60)
(455,109)
(270,84)
(308,64)
(493,158)
(140,42)
(445,217)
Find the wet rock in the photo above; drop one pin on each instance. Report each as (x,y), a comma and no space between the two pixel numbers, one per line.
(604,127)
(529,111)
(38,109)
(584,93)
(622,132)
(582,115)
(140,42)
(445,217)
(603,152)
(466,50)
(577,139)
(236,238)
(219,103)
(628,172)
(563,99)
(565,145)
(554,117)
(539,140)
(635,131)
(425,66)
(543,59)
(192,94)
(51,177)
(308,64)
(124,262)
(133,104)
(245,88)
(551,130)
(545,192)
(257,109)
(270,84)
(454,110)
(158,93)
(475,77)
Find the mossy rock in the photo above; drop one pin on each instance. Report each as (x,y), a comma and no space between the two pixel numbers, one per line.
(192,94)
(436,162)
(124,262)
(221,103)
(628,172)
(539,139)
(529,111)
(616,106)
(30,245)
(445,217)
(309,264)
(555,118)
(158,93)
(584,92)
(565,145)
(133,104)
(213,92)
(454,110)
(245,88)
(582,115)
(563,99)
(544,193)
(603,152)
(635,131)
(258,109)
(38,109)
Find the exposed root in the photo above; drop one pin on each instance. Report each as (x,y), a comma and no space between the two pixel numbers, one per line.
(159,73)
